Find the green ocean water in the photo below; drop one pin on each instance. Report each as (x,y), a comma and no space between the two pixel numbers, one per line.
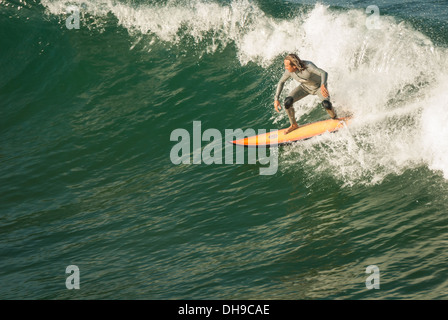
(87,174)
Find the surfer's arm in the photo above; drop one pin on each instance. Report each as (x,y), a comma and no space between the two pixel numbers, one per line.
(311,67)
(280,85)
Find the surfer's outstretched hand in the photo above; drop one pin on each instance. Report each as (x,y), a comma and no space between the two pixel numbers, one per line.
(324,91)
(277,105)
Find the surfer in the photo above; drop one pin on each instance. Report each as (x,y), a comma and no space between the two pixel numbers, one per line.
(312,81)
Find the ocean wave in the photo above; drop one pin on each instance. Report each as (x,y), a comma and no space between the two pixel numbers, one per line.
(390,77)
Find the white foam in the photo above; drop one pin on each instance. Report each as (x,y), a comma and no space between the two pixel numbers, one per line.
(434,128)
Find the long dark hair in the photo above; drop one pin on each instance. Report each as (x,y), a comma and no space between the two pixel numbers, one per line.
(295,61)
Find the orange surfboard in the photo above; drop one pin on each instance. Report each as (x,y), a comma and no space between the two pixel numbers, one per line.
(302,133)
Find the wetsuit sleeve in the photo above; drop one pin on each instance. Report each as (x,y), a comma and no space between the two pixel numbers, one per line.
(311,67)
(280,84)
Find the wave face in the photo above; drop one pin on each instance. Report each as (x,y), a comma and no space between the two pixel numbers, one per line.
(86,175)
(391,77)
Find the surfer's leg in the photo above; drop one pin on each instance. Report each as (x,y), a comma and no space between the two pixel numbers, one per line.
(326,103)
(330,110)
(289,108)
(295,95)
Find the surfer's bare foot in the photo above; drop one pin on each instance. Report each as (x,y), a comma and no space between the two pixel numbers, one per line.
(291,128)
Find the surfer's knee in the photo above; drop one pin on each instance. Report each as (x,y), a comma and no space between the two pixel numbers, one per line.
(289,101)
(327,105)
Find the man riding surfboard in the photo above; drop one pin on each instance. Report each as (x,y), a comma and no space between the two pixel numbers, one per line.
(312,81)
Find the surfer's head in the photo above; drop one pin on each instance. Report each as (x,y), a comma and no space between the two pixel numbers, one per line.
(293,63)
